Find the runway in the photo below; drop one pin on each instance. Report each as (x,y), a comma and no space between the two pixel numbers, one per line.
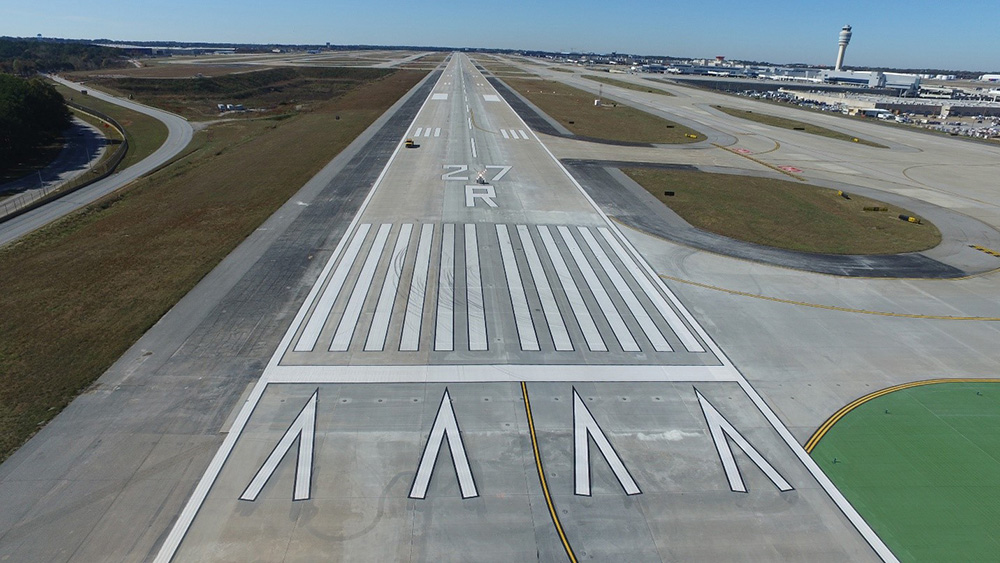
(447,305)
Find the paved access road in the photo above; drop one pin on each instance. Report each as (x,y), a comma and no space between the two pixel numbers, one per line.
(488,368)
(179,133)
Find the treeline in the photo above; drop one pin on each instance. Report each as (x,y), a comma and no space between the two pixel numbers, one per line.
(32,113)
(25,58)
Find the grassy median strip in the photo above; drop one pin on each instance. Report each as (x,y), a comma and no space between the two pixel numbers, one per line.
(626,85)
(145,134)
(786,214)
(76,294)
(921,467)
(575,110)
(786,123)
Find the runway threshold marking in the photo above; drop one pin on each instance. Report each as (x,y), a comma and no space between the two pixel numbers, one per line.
(541,476)
(825,427)
(829,307)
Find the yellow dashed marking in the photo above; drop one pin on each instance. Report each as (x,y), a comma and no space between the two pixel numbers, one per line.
(986,250)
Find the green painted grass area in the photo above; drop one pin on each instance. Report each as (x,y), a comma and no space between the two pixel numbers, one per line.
(793,124)
(627,85)
(785,214)
(575,109)
(925,475)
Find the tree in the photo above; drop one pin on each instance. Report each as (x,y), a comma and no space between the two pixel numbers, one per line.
(32,113)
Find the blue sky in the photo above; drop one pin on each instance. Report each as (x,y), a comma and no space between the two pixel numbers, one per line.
(961,34)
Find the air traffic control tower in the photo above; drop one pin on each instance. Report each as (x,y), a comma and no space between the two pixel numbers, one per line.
(845,38)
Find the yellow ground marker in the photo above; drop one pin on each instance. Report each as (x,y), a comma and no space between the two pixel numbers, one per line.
(830,307)
(825,427)
(541,476)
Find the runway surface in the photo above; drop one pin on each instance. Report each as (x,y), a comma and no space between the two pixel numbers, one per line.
(407,363)
(447,305)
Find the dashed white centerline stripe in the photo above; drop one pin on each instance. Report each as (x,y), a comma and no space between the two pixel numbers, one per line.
(311,333)
(522,315)
(410,339)
(593,336)
(604,301)
(676,324)
(349,322)
(475,307)
(560,337)
(473,141)
(444,332)
(649,328)
(386,299)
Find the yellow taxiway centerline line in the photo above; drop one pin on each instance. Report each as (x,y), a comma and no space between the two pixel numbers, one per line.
(829,307)
(541,476)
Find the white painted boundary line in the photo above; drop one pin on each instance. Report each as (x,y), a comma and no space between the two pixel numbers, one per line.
(557,326)
(349,322)
(410,339)
(646,323)
(519,300)
(859,523)
(319,317)
(475,307)
(187,515)
(390,286)
(493,373)
(444,331)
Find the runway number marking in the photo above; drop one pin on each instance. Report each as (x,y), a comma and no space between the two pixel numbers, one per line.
(475,191)
(459,168)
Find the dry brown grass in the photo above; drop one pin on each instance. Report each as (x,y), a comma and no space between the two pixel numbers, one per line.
(785,123)
(78,293)
(575,110)
(785,214)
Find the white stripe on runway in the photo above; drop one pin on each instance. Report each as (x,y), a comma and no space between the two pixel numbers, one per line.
(470,122)
(473,147)
(560,338)
(649,328)
(522,315)
(475,307)
(504,132)
(604,301)
(593,336)
(437,131)
(513,135)
(311,333)
(345,330)
(417,133)
(523,134)
(676,324)
(444,333)
(410,340)
(386,299)
(427,132)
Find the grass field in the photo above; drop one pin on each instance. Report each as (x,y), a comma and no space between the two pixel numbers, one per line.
(922,466)
(785,214)
(145,134)
(626,85)
(575,110)
(785,123)
(276,90)
(76,294)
